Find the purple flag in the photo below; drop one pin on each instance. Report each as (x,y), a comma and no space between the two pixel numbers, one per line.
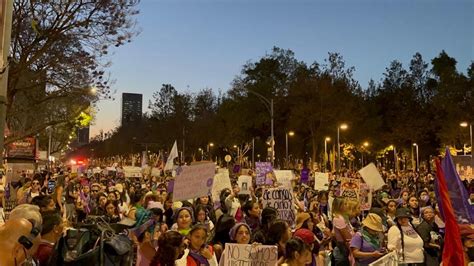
(170,186)
(304,175)
(463,211)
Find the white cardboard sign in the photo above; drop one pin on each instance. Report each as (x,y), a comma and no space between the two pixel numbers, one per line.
(245,183)
(321,181)
(195,181)
(372,177)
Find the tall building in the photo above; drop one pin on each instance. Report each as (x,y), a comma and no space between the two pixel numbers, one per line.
(131,108)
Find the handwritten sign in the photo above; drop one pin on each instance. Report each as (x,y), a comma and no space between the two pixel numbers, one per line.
(282,200)
(284,177)
(240,255)
(372,177)
(221,182)
(245,183)
(262,169)
(350,188)
(321,181)
(195,181)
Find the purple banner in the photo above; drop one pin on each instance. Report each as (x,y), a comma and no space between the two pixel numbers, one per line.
(463,211)
(236,169)
(304,175)
(262,169)
(170,186)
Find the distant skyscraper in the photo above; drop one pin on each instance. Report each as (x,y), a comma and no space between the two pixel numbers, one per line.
(131,108)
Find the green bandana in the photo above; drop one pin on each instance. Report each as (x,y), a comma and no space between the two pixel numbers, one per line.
(374,241)
(184,232)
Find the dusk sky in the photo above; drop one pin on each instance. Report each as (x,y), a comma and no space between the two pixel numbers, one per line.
(194,44)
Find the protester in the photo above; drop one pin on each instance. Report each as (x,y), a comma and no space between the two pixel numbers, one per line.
(367,245)
(50,234)
(298,253)
(172,247)
(252,213)
(183,218)
(199,252)
(404,239)
(279,233)
(431,235)
(309,239)
(342,231)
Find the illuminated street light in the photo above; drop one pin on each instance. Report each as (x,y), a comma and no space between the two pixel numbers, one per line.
(326,155)
(343,127)
(291,134)
(466,124)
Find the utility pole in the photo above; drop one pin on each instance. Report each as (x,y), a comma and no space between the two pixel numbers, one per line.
(6,10)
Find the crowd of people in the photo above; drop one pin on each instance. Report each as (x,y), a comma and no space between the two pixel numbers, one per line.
(328,230)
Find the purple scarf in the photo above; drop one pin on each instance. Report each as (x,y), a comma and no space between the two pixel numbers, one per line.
(198,257)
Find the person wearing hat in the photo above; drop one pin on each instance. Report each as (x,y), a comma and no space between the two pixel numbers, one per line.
(367,245)
(310,239)
(404,239)
(304,220)
(467,237)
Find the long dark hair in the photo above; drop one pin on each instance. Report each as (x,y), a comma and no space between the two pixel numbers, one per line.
(223,226)
(167,243)
(276,231)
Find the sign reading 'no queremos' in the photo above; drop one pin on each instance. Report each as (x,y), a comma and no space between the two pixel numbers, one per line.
(282,200)
(250,255)
(195,181)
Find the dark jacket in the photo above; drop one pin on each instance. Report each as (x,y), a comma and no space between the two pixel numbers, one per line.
(432,254)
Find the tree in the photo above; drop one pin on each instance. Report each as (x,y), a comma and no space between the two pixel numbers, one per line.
(58,59)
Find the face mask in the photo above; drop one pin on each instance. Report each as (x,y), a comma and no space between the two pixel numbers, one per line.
(470,253)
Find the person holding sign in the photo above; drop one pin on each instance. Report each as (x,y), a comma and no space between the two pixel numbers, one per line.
(199,252)
(240,234)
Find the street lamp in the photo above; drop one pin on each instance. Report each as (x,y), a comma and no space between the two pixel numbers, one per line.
(417,162)
(343,127)
(365,145)
(465,124)
(291,134)
(326,155)
(209,145)
(269,105)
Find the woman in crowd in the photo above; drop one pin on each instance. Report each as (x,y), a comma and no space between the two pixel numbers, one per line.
(304,220)
(207,202)
(252,212)
(298,253)
(168,206)
(221,236)
(391,212)
(269,215)
(183,220)
(202,217)
(424,199)
(240,234)
(403,200)
(200,254)
(112,214)
(353,207)
(414,210)
(404,239)
(279,233)
(309,239)
(429,232)
(342,231)
(367,245)
(171,248)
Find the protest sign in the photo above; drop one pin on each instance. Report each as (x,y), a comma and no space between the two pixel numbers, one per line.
(155,171)
(195,181)
(132,171)
(284,177)
(245,183)
(365,197)
(350,188)
(304,175)
(282,200)
(372,177)
(262,169)
(241,254)
(321,181)
(221,181)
